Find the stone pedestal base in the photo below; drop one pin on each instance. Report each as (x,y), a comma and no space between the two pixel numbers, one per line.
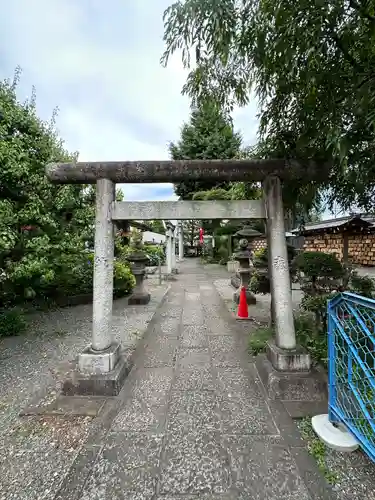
(139,299)
(235,281)
(303,393)
(93,362)
(98,374)
(250,298)
(296,360)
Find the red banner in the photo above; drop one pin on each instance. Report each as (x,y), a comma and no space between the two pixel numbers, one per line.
(201,233)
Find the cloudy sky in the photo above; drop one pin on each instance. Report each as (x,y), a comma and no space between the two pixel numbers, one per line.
(99,63)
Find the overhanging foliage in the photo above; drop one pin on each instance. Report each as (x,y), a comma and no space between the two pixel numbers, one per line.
(311,65)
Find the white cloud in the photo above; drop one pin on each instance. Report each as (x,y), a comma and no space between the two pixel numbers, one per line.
(99,63)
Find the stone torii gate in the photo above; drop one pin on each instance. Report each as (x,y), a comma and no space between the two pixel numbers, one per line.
(101,369)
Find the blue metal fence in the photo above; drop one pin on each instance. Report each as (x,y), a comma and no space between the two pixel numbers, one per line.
(351,353)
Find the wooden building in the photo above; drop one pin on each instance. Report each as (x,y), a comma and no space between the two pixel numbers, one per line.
(351,238)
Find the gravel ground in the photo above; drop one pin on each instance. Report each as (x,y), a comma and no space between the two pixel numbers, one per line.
(36,452)
(352,475)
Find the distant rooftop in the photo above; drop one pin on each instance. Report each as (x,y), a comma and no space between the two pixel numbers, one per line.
(364,220)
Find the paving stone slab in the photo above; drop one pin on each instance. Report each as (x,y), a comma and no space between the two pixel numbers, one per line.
(234,381)
(152,385)
(226,359)
(194,463)
(161,351)
(192,358)
(314,480)
(217,326)
(139,416)
(246,416)
(193,336)
(126,468)
(264,470)
(224,343)
(192,316)
(193,297)
(170,325)
(211,308)
(193,410)
(171,311)
(207,287)
(199,378)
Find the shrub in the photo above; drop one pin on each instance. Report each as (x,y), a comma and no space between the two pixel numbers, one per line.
(317,305)
(223,254)
(155,253)
(318,272)
(12,322)
(260,258)
(314,264)
(259,283)
(363,285)
(312,338)
(124,280)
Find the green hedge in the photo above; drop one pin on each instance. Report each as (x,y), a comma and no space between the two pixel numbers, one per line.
(74,280)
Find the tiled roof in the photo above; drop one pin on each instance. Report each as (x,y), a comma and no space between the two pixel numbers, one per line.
(340,221)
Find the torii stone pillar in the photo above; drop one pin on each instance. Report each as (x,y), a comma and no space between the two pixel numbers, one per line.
(284,354)
(103,266)
(180,242)
(101,369)
(168,235)
(174,265)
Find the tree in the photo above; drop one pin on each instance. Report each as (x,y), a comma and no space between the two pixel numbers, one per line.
(209,134)
(190,231)
(43,227)
(311,65)
(157,226)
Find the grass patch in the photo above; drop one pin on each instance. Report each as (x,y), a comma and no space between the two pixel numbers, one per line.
(61,333)
(317,449)
(258,339)
(12,323)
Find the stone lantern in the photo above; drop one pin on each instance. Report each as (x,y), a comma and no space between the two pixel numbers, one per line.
(243,257)
(250,235)
(138,260)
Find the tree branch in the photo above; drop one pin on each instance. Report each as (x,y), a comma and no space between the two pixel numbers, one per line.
(356,6)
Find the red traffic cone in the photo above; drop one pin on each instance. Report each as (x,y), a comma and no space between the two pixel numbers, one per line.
(242,312)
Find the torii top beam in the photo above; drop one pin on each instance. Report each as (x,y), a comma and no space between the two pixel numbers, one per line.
(180,170)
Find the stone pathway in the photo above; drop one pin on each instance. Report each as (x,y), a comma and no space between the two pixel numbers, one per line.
(192,420)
